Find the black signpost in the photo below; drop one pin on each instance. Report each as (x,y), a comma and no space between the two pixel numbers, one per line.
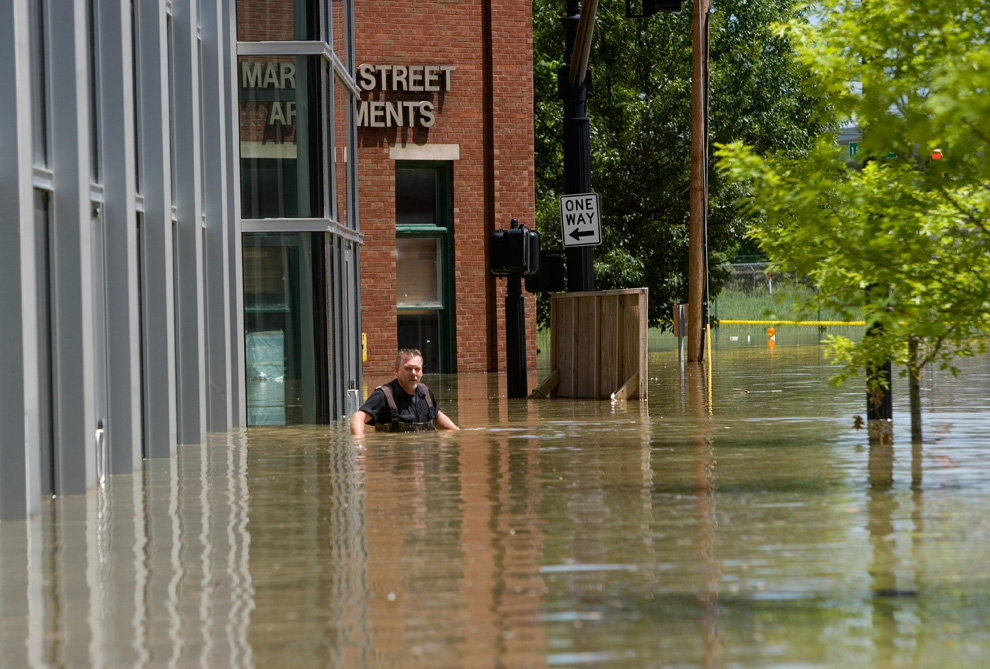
(574,91)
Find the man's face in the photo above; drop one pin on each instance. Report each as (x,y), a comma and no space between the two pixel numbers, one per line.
(409,373)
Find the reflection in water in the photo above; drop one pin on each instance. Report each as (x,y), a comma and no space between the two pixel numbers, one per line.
(731,520)
(699,388)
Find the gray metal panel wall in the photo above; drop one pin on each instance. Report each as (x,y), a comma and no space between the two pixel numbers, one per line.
(120,218)
(72,260)
(190,335)
(156,254)
(72,281)
(20,479)
(215,177)
(234,251)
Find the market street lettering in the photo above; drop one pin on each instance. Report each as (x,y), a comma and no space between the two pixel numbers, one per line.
(276,76)
(389,113)
(265,75)
(415,78)
(386,114)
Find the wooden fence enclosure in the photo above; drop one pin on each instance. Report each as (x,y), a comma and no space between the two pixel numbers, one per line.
(598,345)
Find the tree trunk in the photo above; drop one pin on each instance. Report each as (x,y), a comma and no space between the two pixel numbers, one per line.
(914,389)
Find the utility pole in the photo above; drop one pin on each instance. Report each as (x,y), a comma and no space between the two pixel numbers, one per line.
(573,87)
(697,226)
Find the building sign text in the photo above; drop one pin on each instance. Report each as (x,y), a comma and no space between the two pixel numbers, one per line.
(386,113)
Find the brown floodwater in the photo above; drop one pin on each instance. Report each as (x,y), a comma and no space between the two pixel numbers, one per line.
(744,523)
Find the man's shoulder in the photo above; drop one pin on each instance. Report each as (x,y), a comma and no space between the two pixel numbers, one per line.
(376,399)
(390,386)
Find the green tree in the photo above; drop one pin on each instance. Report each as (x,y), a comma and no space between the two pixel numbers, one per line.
(640,112)
(901,238)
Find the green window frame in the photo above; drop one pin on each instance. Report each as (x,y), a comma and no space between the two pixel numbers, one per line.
(421,219)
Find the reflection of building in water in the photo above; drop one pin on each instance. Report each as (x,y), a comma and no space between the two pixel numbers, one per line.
(153,570)
(454,539)
(309,556)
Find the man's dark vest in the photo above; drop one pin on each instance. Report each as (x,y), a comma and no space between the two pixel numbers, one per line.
(401,426)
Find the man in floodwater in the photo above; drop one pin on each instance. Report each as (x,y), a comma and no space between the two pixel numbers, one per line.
(403,404)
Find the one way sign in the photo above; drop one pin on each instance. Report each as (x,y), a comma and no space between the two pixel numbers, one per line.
(580,224)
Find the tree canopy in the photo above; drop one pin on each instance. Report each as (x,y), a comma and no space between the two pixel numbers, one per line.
(640,112)
(902,235)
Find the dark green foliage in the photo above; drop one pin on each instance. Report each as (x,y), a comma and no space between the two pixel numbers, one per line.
(640,114)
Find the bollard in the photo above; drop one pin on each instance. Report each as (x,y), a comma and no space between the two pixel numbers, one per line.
(679,320)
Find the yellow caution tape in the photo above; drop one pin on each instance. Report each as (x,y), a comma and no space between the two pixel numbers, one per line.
(728,322)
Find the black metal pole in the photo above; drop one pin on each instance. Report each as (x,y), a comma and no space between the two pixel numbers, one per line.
(515,338)
(879,393)
(879,397)
(577,149)
(515,335)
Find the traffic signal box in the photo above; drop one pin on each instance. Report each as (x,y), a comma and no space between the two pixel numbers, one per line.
(651,7)
(552,275)
(514,252)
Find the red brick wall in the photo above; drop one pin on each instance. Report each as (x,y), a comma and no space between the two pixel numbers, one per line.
(265,20)
(400,32)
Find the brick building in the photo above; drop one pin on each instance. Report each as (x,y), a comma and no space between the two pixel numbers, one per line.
(445,156)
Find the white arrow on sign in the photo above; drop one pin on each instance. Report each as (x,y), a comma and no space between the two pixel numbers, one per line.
(580,224)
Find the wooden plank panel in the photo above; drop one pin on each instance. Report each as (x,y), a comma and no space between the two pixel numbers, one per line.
(609,348)
(563,336)
(644,343)
(585,346)
(631,317)
(628,389)
(597,369)
(553,334)
(546,388)
(599,341)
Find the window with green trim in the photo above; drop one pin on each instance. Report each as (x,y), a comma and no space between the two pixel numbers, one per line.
(423,250)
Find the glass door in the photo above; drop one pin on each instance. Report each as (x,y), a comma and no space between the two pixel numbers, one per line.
(285,326)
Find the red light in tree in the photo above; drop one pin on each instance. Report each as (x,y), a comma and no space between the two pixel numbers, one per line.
(936,154)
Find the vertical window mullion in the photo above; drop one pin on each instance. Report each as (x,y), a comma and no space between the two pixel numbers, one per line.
(329,146)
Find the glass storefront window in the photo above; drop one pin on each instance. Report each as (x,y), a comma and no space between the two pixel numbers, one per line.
(341,152)
(421,329)
(415,196)
(278,20)
(39,82)
(136,70)
(285,326)
(338,14)
(46,383)
(92,43)
(281,117)
(424,284)
(417,271)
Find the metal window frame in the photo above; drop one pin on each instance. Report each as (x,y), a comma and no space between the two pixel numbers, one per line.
(20,465)
(443,228)
(342,241)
